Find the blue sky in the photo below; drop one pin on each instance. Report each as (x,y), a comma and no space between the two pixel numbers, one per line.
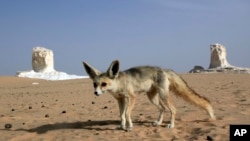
(172,34)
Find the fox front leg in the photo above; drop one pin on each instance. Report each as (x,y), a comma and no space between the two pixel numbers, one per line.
(130,105)
(122,108)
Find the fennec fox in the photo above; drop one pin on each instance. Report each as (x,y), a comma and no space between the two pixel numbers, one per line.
(154,81)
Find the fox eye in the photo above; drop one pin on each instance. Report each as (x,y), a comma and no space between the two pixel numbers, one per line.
(95,85)
(104,84)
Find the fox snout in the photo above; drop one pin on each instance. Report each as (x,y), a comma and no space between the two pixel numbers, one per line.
(96,93)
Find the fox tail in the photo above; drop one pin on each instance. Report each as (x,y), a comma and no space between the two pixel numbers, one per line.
(181,89)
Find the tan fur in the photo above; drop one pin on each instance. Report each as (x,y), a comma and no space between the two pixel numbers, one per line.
(154,81)
(180,88)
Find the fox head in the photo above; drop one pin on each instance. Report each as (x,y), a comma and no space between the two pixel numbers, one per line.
(102,82)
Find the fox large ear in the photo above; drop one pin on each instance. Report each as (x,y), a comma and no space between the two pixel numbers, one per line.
(92,72)
(113,69)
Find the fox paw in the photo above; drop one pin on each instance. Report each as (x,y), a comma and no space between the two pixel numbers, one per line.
(121,128)
(170,126)
(128,129)
(156,123)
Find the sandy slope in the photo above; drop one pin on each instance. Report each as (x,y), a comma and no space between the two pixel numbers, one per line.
(74,113)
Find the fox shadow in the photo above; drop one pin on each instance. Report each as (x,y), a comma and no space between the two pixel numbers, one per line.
(88,125)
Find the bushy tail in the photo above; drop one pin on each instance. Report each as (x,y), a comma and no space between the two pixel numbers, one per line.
(181,89)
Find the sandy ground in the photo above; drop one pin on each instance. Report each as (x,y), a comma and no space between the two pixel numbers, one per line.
(68,110)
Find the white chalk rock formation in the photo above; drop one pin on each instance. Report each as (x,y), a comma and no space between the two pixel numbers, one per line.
(218,62)
(42,60)
(43,67)
(218,56)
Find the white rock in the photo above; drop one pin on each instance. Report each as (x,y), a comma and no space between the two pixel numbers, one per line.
(218,56)
(42,60)
(35,83)
(219,63)
(43,67)
(55,75)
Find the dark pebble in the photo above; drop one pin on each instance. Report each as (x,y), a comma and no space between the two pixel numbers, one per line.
(105,107)
(12,109)
(30,107)
(209,138)
(93,102)
(64,112)
(7,126)
(47,115)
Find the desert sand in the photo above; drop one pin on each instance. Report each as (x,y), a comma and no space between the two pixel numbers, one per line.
(34,109)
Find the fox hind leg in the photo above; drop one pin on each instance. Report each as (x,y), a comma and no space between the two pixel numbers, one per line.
(164,95)
(154,98)
(173,113)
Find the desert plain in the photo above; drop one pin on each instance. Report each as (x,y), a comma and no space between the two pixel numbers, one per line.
(42,110)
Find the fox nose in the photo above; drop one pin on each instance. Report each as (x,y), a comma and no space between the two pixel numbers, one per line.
(96,93)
